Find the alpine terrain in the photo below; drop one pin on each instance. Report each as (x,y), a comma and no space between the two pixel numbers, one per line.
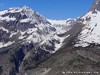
(31,44)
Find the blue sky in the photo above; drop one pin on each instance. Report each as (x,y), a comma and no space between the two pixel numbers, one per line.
(52,9)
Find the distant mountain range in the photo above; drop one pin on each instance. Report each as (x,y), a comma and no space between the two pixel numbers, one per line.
(31,44)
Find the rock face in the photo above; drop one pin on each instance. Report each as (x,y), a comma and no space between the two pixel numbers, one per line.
(95,6)
(33,45)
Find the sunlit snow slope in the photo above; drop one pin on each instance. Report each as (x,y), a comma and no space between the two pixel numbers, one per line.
(91,31)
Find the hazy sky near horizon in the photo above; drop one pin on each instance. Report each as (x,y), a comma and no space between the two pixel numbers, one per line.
(52,9)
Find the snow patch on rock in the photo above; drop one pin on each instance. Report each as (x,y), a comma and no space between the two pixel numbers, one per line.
(7,18)
(5,44)
(4,29)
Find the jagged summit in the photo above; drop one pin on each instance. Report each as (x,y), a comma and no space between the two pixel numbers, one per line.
(25,13)
(19,9)
(22,24)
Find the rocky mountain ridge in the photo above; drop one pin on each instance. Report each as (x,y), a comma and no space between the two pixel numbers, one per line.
(33,45)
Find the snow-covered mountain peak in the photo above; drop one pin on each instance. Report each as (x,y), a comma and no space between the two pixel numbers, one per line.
(19,9)
(23,24)
(24,14)
(26,25)
(91,31)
